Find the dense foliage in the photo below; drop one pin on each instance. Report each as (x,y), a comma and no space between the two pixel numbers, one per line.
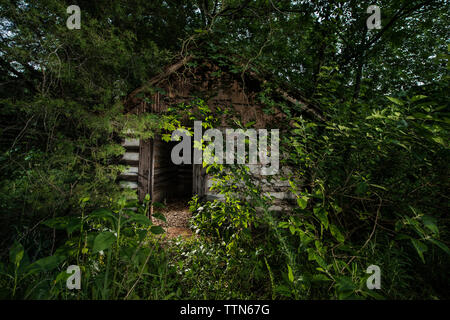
(370,180)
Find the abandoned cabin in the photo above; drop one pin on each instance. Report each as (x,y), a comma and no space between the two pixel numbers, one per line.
(151,170)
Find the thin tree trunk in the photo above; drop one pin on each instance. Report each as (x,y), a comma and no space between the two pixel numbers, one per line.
(360,67)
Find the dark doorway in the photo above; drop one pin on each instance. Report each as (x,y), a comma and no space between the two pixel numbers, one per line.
(170,182)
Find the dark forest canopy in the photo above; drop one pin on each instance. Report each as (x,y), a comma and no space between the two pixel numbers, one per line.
(128,41)
(370,179)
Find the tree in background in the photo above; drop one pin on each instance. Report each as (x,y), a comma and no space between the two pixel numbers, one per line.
(377,165)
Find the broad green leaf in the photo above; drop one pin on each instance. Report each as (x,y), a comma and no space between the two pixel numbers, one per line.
(430,223)
(58,223)
(373,294)
(84,199)
(361,188)
(439,140)
(396,101)
(249,124)
(160,216)
(290,274)
(320,261)
(141,234)
(336,233)
(345,287)
(292,229)
(420,248)
(103,241)
(157,230)
(282,290)
(320,277)
(74,224)
(16,253)
(139,219)
(322,215)
(62,277)
(45,264)
(402,236)
(313,256)
(441,245)
(417,98)
(102,214)
(302,202)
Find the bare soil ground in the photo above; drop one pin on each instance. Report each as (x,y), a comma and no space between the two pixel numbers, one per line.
(177,219)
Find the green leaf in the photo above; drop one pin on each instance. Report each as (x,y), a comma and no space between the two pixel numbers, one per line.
(58,223)
(103,241)
(402,236)
(378,186)
(430,223)
(16,253)
(292,229)
(361,188)
(336,233)
(290,274)
(250,124)
(157,230)
(441,245)
(439,140)
(84,199)
(141,234)
(322,215)
(345,288)
(396,101)
(62,277)
(160,216)
(320,277)
(140,219)
(282,290)
(373,294)
(420,248)
(313,256)
(417,98)
(302,202)
(102,214)
(73,225)
(45,264)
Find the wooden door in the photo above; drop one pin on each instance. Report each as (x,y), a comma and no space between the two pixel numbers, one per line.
(145,171)
(199,180)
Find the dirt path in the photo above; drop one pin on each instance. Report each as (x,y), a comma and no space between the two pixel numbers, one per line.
(177,216)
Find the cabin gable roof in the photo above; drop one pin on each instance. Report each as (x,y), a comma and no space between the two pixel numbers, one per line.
(188,78)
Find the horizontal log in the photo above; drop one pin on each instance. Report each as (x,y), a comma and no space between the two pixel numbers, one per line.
(128,178)
(129,162)
(131,143)
(132,156)
(128,184)
(131,171)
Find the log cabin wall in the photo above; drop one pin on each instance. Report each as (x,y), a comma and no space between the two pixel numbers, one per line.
(158,176)
(226,90)
(129,178)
